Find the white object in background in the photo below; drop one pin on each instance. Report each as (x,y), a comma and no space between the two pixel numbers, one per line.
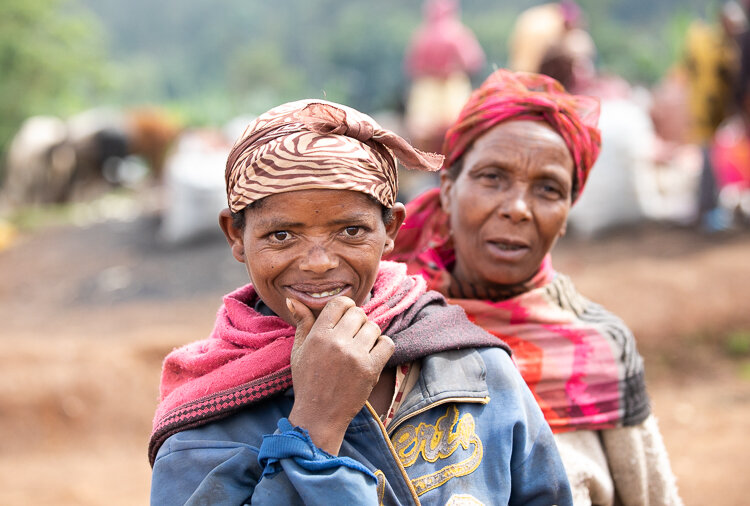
(194,187)
(610,197)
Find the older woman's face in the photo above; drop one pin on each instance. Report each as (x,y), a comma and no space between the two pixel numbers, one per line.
(510,202)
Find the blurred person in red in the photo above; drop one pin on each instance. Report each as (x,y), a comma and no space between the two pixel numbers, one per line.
(440,60)
(730,150)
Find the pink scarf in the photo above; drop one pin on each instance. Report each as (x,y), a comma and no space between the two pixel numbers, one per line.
(246,358)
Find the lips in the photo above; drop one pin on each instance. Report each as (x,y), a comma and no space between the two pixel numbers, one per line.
(508,249)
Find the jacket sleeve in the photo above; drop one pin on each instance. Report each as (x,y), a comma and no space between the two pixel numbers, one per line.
(537,474)
(540,478)
(287,469)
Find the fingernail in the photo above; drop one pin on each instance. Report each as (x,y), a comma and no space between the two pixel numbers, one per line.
(290,306)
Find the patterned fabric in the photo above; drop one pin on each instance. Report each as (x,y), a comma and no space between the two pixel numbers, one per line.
(246,358)
(308,144)
(406,377)
(579,360)
(506,95)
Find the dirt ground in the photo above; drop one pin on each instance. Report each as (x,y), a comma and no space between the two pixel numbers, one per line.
(87,313)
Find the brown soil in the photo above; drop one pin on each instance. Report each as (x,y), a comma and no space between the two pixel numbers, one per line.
(88,314)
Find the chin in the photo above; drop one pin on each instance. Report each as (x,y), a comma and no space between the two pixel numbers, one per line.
(509,278)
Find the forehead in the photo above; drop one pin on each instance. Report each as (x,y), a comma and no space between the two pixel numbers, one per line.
(313,207)
(520,137)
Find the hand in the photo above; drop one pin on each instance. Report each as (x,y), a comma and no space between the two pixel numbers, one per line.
(336,362)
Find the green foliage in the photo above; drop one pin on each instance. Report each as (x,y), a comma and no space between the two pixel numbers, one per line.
(210,60)
(51,59)
(737,343)
(640,52)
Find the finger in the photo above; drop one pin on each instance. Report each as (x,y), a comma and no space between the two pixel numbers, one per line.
(367,335)
(382,351)
(350,323)
(303,320)
(332,312)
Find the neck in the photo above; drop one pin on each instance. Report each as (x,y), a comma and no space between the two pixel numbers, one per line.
(466,289)
(463,286)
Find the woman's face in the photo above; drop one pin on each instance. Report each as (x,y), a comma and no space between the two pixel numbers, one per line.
(509,204)
(312,246)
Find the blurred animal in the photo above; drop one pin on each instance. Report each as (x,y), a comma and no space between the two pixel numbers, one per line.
(39,163)
(50,160)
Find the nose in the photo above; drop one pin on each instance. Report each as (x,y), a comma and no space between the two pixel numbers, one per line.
(318,259)
(515,205)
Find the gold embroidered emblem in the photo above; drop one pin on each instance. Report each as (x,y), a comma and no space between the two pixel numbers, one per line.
(381,485)
(439,441)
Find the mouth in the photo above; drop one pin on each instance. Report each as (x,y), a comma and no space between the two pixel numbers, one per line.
(505,246)
(320,295)
(317,295)
(508,249)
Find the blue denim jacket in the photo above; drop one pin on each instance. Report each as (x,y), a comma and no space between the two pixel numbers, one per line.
(469,432)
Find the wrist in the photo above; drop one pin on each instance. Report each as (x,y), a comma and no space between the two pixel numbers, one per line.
(326,435)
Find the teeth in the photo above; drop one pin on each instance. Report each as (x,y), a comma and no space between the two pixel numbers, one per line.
(508,247)
(325,294)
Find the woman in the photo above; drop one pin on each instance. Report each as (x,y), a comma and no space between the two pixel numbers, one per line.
(517,158)
(335,378)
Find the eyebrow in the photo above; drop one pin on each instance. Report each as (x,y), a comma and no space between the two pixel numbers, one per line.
(281,224)
(356,217)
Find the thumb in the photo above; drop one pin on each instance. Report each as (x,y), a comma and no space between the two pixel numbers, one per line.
(303,320)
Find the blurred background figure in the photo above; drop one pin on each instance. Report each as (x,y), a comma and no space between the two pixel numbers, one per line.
(730,151)
(712,62)
(440,60)
(551,39)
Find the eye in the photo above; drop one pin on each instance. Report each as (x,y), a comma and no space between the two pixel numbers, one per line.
(489,176)
(280,236)
(551,190)
(352,231)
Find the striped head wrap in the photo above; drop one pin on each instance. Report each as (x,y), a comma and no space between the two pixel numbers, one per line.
(506,95)
(315,144)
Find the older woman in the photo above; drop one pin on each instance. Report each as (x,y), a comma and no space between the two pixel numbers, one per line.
(517,158)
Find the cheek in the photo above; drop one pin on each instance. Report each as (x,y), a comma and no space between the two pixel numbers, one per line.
(553,222)
(469,213)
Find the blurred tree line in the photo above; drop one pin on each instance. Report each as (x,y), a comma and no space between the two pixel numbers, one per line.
(210,60)
(52,60)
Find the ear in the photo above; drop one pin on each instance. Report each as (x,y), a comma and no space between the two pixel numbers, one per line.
(233,234)
(391,229)
(446,186)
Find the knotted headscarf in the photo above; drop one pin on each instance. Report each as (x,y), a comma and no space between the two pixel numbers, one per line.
(506,95)
(314,144)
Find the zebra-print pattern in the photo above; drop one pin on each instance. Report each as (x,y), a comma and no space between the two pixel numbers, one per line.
(316,144)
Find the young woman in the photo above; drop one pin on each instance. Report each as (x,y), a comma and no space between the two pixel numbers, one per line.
(335,378)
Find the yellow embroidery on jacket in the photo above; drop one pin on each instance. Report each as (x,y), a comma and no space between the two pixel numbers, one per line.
(439,441)
(381,485)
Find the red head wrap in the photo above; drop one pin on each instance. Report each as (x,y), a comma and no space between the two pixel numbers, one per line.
(506,95)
